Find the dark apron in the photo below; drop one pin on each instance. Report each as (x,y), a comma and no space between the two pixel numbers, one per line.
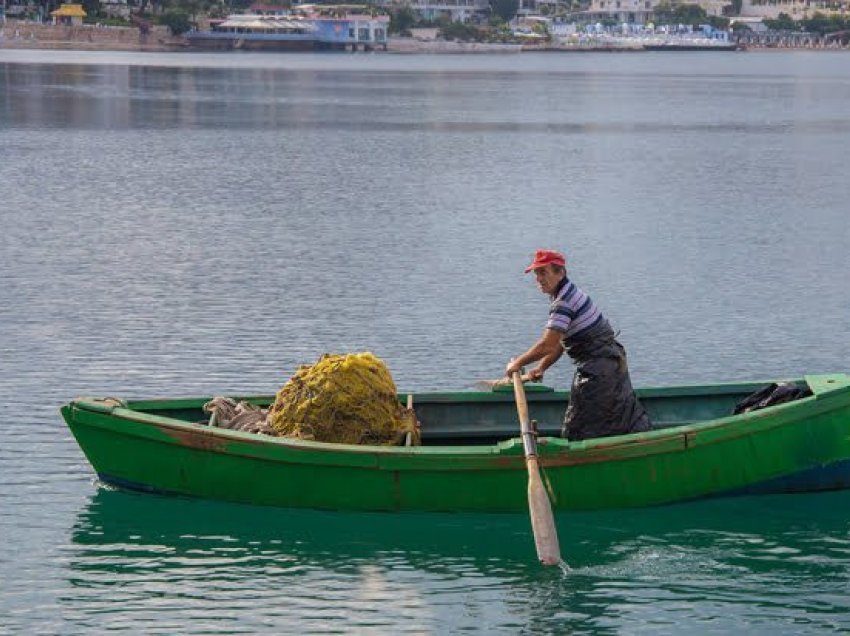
(602,400)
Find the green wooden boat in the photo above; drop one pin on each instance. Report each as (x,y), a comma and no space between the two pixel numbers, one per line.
(471,458)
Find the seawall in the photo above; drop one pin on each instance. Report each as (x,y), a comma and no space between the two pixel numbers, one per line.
(20,34)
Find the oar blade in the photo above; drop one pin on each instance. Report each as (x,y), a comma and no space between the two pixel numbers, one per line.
(542,519)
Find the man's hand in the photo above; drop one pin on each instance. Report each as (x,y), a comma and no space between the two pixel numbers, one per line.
(512,367)
(548,349)
(536,375)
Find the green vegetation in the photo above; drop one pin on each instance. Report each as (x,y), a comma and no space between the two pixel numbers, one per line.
(541,29)
(822,24)
(819,24)
(103,21)
(692,14)
(462,32)
(177,21)
(782,23)
(167,12)
(688,14)
(402,19)
(92,8)
(718,22)
(505,9)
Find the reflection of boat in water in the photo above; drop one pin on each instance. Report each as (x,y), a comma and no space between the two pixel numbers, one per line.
(195,566)
(471,458)
(163,532)
(215,565)
(181,525)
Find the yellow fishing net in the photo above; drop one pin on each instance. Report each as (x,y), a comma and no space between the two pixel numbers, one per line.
(349,399)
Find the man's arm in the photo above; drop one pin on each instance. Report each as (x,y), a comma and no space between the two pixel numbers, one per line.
(547,361)
(548,349)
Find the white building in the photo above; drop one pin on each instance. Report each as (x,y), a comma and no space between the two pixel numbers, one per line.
(643,11)
(116,8)
(455,10)
(623,11)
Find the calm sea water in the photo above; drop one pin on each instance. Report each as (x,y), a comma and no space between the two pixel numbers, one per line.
(203,224)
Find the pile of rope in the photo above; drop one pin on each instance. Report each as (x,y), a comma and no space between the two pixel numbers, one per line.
(237,416)
(346,399)
(350,399)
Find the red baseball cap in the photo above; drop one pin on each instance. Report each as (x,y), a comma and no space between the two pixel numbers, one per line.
(542,258)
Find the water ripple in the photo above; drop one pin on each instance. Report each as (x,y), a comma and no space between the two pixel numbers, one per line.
(170,230)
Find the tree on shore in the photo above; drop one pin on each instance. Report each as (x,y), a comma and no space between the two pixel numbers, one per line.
(718,22)
(402,19)
(505,9)
(783,22)
(823,24)
(461,32)
(691,14)
(818,24)
(178,22)
(92,8)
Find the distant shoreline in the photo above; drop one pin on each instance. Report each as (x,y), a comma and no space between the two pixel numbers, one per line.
(32,35)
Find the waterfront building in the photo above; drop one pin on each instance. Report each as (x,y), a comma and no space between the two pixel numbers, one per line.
(69,14)
(301,28)
(454,10)
(116,8)
(472,10)
(640,11)
(623,11)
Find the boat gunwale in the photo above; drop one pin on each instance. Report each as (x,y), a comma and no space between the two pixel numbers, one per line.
(554,452)
(448,397)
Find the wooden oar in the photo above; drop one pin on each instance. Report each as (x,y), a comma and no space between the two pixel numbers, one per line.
(539,506)
(489,385)
(408,437)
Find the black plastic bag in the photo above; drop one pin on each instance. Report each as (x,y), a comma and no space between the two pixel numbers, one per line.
(776,393)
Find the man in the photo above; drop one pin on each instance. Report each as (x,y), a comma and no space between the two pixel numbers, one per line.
(602,401)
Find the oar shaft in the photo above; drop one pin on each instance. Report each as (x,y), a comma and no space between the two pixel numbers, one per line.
(529,440)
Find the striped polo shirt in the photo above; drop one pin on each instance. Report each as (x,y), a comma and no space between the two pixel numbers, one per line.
(572,311)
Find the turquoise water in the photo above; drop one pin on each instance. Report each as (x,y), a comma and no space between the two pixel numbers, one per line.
(165,565)
(203,224)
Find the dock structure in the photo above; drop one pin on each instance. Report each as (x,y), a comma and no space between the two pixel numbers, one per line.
(295,31)
(794,40)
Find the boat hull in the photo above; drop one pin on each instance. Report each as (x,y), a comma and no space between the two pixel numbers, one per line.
(800,446)
(691,47)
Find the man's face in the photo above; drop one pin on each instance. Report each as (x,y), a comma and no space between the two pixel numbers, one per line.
(547,279)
